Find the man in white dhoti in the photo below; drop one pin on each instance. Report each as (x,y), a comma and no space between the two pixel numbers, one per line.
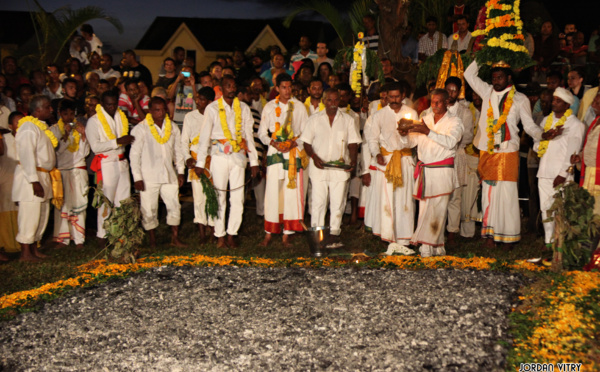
(330,136)
(281,125)
(154,156)
(227,133)
(73,148)
(453,86)
(555,154)
(394,169)
(8,208)
(498,141)
(436,138)
(33,185)
(108,134)
(190,138)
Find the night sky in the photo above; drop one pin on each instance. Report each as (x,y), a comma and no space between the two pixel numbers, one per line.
(137,16)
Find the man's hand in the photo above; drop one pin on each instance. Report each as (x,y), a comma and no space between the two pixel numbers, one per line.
(366,179)
(81,129)
(420,128)
(125,140)
(190,163)
(139,186)
(180,180)
(199,171)
(352,169)
(192,80)
(552,133)
(559,180)
(380,159)
(575,159)
(65,136)
(317,160)
(255,171)
(38,190)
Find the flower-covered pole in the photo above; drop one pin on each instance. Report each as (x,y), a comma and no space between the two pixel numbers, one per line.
(357,69)
(503,35)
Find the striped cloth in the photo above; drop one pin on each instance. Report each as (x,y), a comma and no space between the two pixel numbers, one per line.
(260,148)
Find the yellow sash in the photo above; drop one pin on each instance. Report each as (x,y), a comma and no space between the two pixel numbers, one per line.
(292,165)
(393,170)
(499,166)
(193,175)
(57,186)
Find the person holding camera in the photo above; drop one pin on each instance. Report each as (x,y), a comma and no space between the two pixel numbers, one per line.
(183,91)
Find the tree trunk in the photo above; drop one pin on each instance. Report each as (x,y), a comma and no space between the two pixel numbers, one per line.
(392,23)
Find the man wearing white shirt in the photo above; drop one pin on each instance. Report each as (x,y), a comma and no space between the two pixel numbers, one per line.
(228,134)
(392,174)
(107,134)
(32,187)
(281,124)
(436,138)
(304,51)
(329,136)
(106,72)
(190,138)
(499,151)
(73,148)
(154,156)
(462,37)
(88,34)
(314,102)
(555,154)
(456,108)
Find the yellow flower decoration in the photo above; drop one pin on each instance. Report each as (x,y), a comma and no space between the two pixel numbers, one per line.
(494,128)
(109,133)
(455,37)
(154,131)
(43,127)
(544,143)
(73,146)
(195,140)
(237,109)
(307,104)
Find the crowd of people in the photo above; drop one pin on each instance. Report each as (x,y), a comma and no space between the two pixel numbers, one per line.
(407,166)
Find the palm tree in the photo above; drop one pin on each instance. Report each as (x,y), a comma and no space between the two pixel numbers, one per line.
(54,30)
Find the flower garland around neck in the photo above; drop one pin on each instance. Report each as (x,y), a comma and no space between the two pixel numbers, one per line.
(492,128)
(109,133)
(73,146)
(544,143)
(237,110)
(308,103)
(284,132)
(154,131)
(379,106)
(43,127)
(348,109)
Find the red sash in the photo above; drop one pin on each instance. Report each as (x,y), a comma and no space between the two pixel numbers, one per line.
(420,173)
(96,165)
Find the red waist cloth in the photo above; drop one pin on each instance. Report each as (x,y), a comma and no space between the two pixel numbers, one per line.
(420,173)
(96,165)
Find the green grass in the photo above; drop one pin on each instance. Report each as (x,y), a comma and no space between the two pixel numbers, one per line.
(62,263)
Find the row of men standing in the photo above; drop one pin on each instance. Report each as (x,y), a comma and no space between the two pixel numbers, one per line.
(220,137)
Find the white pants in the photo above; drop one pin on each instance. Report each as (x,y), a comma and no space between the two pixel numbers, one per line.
(430,228)
(225,170)
(200,204)
(335,191)
(373,203)
(69,222)
(169,193)
(454,210)
(501,212)
(32,220)
(546,188)
(397,206)
(259,195)
(116,186)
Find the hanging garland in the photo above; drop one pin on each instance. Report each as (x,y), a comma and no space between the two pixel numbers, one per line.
(107,130)
(154,131)
(543,147)
(237,142)
(307,103)
(43,127)
(73,146)
(492,128)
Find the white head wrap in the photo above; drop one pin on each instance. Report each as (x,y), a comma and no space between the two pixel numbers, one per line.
(565,95)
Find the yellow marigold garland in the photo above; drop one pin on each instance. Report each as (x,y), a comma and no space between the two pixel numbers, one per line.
(237,110)
(507,20)
(195,140)
(107,130)
(278,128)
(544,143)
(307,103)
(43,127)
(357,72)
(73,146)
(154,131)
(493,129)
